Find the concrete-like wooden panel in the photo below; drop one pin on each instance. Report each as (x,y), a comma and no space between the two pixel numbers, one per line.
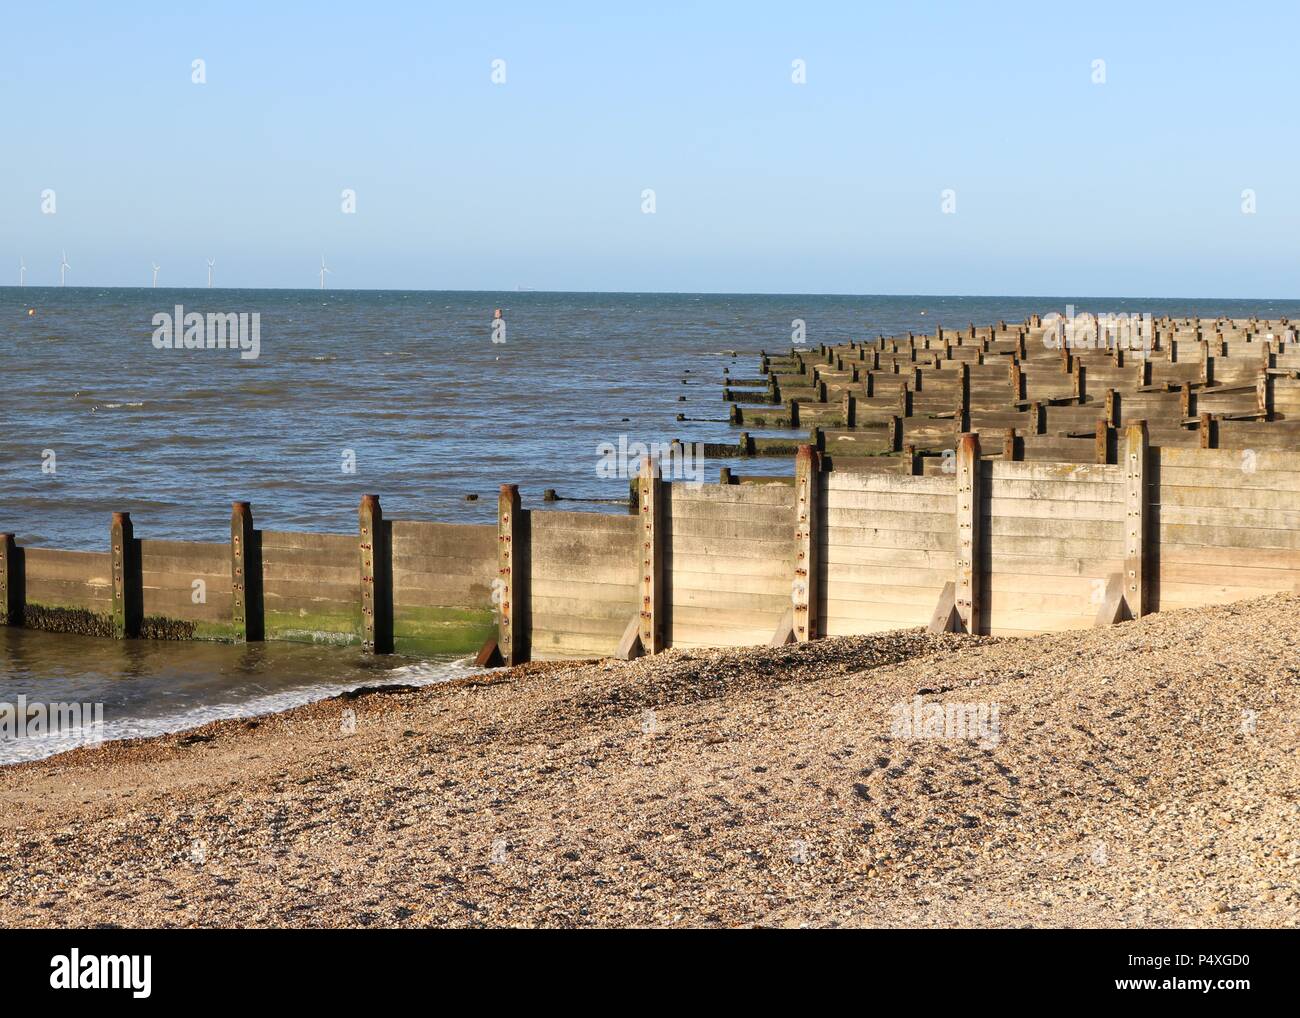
(583,582)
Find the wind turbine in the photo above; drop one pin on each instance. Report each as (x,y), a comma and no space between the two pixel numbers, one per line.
(212,264)
(156,267)
(323,272)
(22,271)
(63,268)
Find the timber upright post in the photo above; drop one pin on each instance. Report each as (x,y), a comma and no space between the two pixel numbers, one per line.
(376,590)
(807,489)
(1135,499)
(128,593)
(967,595)
(11,599)
(511,639)
(651,546)
(245,575)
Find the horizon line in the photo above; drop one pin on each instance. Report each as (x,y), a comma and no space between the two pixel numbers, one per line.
(664,293)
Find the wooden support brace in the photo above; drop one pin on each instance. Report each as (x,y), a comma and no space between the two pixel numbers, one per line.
(1113,608)
(489,655)
(945,618)
(629,644)
(784,630)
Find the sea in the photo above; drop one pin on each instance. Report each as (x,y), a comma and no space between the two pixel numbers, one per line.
(429,399)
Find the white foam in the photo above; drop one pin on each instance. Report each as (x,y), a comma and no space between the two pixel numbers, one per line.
(422,673)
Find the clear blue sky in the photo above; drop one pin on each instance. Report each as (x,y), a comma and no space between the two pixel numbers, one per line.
(1131,188)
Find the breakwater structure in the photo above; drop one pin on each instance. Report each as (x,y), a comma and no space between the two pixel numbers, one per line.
(987,480)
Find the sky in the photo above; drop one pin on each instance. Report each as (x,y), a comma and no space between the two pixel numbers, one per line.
(1055,182)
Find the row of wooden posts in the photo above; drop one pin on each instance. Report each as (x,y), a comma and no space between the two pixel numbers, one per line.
(959,607)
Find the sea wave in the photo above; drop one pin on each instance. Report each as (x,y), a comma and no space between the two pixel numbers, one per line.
(420,673)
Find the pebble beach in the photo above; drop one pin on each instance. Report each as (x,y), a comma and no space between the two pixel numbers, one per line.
(1145,774)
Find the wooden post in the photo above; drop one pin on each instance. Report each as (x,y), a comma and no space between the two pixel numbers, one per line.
(807,481)
(1101,443)
(128,591)
(11,584)
(1207,432)
(1079,382)
(1037,419)
(895,434)
(245,575)
(1009,444)
(1135,499)
(1017,381)
(511,580)
(1264,395)
(1112,408)
(968,508)
(376,572)
(850,410)
(651,557)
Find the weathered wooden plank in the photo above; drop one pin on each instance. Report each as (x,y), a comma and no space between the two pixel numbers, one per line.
(778,494)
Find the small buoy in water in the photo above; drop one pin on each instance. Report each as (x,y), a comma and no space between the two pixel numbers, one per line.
(471,497)
(31,311)
(922,312)
(681,399)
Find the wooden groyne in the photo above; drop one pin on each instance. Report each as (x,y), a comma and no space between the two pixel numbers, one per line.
(1013,496)
(1222,383)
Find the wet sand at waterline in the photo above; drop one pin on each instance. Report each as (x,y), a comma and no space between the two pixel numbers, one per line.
(1142,775)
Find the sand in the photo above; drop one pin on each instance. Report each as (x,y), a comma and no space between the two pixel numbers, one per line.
(1146,774)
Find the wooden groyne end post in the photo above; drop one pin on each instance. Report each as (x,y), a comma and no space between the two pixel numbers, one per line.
(1135,500)
(967,594)
(11,586)
(807,493)
(651,558)
(511,578)
(128,590)
(376,583)
(245,575)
